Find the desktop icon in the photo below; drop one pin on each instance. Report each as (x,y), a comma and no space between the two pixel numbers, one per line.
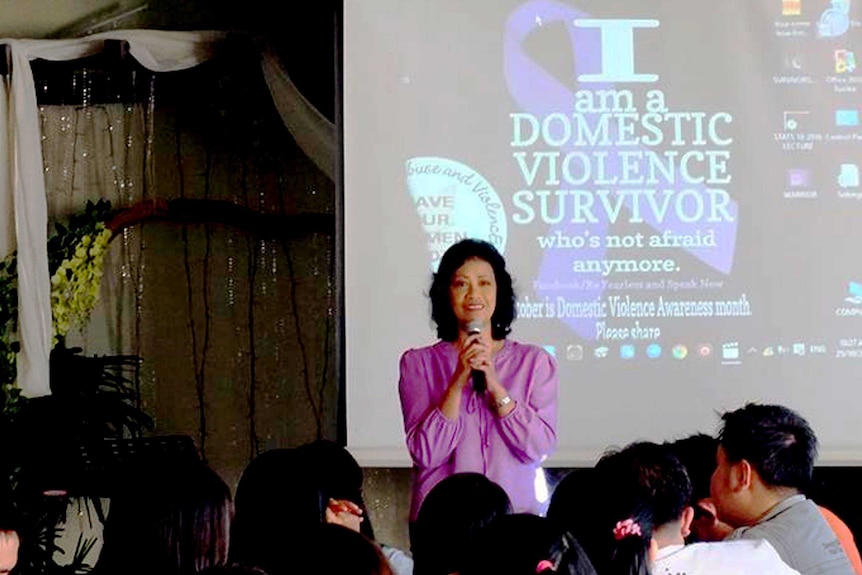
(601,352)
(768,351)
(551,349)
(574,352)
(679,351)
(791,7)
(792,63)
(845,62)
(627,351)
(835,20)
(704,350)
(847,117)
(730,352)
(848,176)
(798,178)
(791,119)
(653,351)
(854,293)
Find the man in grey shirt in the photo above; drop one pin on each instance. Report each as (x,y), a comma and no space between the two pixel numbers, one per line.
(765,458)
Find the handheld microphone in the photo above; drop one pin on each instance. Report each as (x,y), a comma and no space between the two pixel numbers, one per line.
(478,376)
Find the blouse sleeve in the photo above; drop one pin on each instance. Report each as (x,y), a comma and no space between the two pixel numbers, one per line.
(431,436)
(530,429)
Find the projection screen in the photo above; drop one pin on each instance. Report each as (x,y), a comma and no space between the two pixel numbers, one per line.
(675,187)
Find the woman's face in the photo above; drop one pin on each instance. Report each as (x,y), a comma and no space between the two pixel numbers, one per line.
(473,292)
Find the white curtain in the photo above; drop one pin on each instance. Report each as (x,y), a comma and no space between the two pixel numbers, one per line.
(21,167)
(311,130)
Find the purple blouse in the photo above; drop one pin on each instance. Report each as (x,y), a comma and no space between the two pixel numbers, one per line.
(508,450)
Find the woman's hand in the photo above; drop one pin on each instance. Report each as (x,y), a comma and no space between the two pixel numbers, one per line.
(478,354)
(345,513)
(474,354)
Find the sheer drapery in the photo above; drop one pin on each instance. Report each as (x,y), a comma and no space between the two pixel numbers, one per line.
(92,152)
(7,205)
(21,161)
(312,131)
(162,51)
(108,140)
(235,328)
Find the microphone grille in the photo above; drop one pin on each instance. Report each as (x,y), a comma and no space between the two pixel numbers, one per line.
(475,326)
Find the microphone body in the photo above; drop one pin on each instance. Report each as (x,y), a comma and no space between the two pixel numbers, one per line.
(477,375)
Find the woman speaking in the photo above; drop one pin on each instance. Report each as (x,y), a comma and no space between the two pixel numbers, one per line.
(476,401)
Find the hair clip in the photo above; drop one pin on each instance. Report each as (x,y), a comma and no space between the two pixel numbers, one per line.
(626,528)
(543,565)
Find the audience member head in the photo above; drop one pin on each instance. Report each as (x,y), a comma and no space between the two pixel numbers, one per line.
(766,453)
(450,520)
(524,544)
(452,260)
(568,494)
(168,523)
(288,490)
(274,499)
(327,549)
(337,476)
(697,454)
(637,499)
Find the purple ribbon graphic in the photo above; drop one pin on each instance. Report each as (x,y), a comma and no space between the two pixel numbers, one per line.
(539,93)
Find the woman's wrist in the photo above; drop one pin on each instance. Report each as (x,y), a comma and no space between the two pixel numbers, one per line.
(503,402)
(460,379)
(503,405)
(500,400)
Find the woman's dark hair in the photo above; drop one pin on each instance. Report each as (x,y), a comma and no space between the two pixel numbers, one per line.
(284,491)
(451,517)
(441,306)
(327,549)
(644,485)
(172,523)
(337,475)
(274,499)
(697,454)
(525,544)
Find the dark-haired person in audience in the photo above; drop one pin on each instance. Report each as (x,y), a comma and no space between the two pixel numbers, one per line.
(697,454)
(273,499)
(505,430)
(339,478)
(167,522)
(451,520)
(637,516)
(284,491)
(329,549)
(764,463)
(526,544)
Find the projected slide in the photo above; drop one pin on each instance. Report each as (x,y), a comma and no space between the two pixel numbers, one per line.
(675,187)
